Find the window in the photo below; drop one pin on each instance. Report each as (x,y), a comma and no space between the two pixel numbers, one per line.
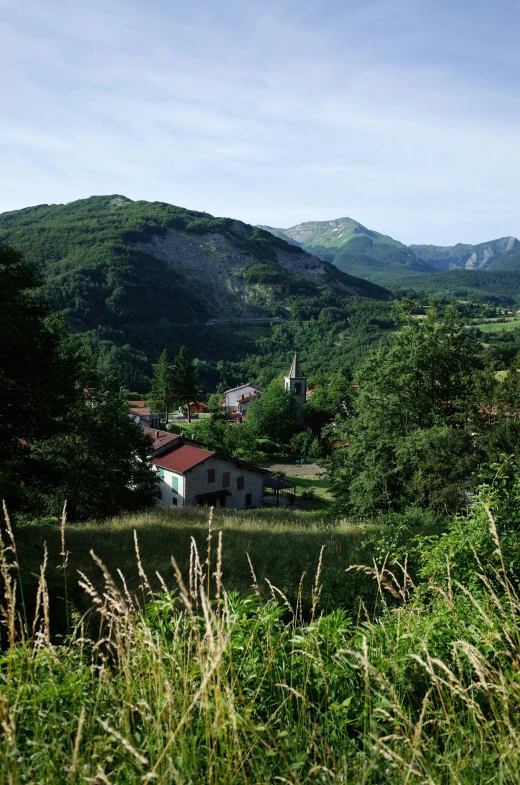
(211,475)
(249,500)
(160,473)
(174,501)
(226,480)
(297,388)
(240,483)
(175,484)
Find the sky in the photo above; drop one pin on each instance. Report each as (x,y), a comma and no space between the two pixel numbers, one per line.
(401,114)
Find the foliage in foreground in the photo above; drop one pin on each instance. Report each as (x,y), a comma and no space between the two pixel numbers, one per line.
(196,685)
(426,422)
(64,431)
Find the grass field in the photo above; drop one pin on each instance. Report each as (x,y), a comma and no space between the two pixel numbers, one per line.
(281,545)
(498,327)
(307,477)
(198,685)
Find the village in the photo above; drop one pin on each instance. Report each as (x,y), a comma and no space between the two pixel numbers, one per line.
(190,475)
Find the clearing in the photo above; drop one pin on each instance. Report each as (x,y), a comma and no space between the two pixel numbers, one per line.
(497,327)
(308,478)
(282,546)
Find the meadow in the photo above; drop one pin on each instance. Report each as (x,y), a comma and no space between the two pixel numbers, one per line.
(498,327)
(282,546)
(185,679)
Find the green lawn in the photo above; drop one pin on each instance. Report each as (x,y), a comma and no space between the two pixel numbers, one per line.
(498,327)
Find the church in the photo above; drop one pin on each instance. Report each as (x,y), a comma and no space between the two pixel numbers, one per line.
(236,401)
(296,382)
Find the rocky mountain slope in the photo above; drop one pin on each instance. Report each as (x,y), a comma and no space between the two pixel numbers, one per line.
(360,251)
(483,256)
(140,276)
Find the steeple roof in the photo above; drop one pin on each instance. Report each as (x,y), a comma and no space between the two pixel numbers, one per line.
(296,371)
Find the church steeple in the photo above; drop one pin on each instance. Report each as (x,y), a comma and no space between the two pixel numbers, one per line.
(296,382)
(295,372)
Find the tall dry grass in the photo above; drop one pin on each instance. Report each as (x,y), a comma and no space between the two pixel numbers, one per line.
(196,684)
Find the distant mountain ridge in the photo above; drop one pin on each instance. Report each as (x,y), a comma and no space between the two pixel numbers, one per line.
(363,252)
(463,256)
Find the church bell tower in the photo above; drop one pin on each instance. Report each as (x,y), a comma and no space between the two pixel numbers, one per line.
(296,382)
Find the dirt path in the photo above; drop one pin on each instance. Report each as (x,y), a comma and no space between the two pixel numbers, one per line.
(308,471)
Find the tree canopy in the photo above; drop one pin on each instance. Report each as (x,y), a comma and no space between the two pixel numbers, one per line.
(64,433)
(274,415)
(411,435)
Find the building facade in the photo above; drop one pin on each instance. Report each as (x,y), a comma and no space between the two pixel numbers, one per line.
(232,397)
(190,477)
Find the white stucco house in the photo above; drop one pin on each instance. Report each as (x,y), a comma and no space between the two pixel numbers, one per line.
(190,476)
(232,398)
(142,415)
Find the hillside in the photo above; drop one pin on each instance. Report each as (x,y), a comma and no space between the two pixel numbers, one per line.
(133,277)
(353,248)
(499,286)
(483,256)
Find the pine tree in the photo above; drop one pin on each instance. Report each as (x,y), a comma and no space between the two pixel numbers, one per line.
(162,395)
(185,384)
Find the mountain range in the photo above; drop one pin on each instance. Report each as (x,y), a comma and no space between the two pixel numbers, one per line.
(133,277)
(360,251)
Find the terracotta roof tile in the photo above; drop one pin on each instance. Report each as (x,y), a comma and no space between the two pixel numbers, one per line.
(182,459)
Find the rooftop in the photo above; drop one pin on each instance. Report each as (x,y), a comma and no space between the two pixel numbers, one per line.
(182,459)
(140,411)
(160,438)
(241,386)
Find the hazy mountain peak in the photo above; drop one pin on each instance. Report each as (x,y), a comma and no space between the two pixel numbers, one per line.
(329,234)
(465,256)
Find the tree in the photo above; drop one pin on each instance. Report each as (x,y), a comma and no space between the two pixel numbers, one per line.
(274,415)
(331,395)
(184,379)
(162,395)
(38,367)
(58,442)
(99,463)
(412,431)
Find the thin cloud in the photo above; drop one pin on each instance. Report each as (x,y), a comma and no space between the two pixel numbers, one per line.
(267,114)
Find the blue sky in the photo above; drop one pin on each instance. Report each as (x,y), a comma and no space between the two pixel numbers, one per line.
(402,114)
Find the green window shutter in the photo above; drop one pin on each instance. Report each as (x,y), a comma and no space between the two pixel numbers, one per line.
(175,484)
(160,472)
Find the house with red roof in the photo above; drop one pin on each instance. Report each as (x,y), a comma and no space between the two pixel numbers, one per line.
(162,440)
(240,396)
(143,415)
(190,476)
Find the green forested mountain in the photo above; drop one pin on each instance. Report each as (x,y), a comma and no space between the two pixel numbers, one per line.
(495,285)
(353,248)
(134,277)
